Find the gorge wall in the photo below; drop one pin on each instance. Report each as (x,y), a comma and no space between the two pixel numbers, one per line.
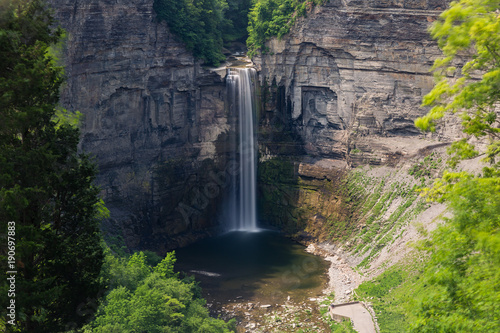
(153,117)
(343,89)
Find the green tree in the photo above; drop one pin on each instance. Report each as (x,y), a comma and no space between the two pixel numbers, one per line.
(198,23)
(46,187)
(269,18)
(165,268)
(155,300)
(463,275)
(469,29)
(236,21)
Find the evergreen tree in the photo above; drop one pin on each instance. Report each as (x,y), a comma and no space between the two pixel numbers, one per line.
(46,187)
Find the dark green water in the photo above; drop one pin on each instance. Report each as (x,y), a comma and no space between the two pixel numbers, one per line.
(260,267)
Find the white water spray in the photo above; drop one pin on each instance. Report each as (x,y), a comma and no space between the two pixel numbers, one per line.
(241,91)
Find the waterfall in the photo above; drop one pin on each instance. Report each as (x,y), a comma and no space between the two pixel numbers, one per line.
(241,94)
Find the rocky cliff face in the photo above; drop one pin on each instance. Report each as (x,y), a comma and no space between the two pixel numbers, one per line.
(154,119)
(349,73)
(346,84)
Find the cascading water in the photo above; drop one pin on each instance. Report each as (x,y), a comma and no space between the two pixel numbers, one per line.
(248,266)
(241,93)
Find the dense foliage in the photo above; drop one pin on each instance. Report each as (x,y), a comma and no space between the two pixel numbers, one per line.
(152,299)
(269,18)
(469,29)
(45,185)
(198,23)
(463,275)
(205,25)
(235,26)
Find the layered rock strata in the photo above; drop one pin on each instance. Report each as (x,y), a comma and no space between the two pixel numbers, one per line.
(153,117)
(348,73)
(345,84)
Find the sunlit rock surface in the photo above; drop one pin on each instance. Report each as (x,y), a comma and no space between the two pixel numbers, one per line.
(348,73)
(345,85)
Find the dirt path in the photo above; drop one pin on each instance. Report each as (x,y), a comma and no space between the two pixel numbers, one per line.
(360,316)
